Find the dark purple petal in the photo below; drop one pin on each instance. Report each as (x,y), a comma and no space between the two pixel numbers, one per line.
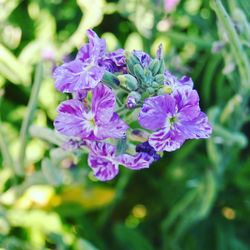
(115,128)
(155,111)
(103,169)
(166,140)
(80,94)
(71,119)
(135,162)
(196,128)
(145,147)
(103,103)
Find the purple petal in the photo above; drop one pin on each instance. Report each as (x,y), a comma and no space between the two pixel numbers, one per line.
(136,162)
(76,75)
(80,94)
(101,149)
(115,128)
(70,120)
(187,81)
(166,140)
(143,57)
(155,111)
(196,128)
(103,169)
(103,103)
(97,46)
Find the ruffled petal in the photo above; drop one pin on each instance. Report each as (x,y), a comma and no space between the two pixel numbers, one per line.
(103,103)
(101,148)
(166,140)
(135,162)
(196,128)
(115,128)
(70,120)
(97,46)
(155,111)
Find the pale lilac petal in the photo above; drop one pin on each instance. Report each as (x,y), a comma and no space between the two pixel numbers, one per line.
(136,162)
(97,46)
(103,169)
(115,128)
(166,140)
(75,75)
(103,103)
(186,81)
(70,120)
(155,111)
(80,94)
(84,53)
(196,128)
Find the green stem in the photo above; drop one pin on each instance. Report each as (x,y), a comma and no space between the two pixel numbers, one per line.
(7,158)
(236,45)
(28,118)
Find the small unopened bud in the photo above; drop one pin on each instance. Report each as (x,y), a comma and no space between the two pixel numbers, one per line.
(160,79)
(162,67)
(139,72)
(131,60)
(128,81)
(154,66)
(133,99)
(150,90)
(159,52)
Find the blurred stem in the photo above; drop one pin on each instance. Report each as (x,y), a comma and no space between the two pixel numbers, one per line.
(5,152)
(235,43)
(120,187)
(28,118)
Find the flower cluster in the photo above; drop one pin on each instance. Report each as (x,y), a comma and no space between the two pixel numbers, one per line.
(106,87)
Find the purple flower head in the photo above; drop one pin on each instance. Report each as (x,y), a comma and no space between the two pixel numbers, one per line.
(105,164)
(96,122)
(87,69)
(146,148)
(143,57)
(173,85)
(174,119)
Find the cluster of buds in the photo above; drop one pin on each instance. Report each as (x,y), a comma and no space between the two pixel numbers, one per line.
(103,85)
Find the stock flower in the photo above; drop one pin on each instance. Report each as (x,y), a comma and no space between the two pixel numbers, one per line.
(174,119)
(96,122)
(172,84)
(105,164)
(88,68)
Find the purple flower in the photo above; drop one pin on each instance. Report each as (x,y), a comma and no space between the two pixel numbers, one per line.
(173,85)
(174,119)
(87,69)
(96,122)
(105,164)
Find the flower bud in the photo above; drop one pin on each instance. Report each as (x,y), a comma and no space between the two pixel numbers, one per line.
(154,66)
(162,67)
(128,81)
(132,100)
(131,60)
(150,90)
(160,79)
(139,72)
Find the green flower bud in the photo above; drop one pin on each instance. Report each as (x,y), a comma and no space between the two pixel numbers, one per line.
(154,66)
(132,99)
(162,67)
(150,90)
(139,72)
(148,77)
(128,81)
(160,79)
(155,85)
(131,61)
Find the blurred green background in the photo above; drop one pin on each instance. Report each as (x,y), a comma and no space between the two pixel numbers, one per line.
(195,198)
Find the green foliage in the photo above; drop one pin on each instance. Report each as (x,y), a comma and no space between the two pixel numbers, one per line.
(195,198)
